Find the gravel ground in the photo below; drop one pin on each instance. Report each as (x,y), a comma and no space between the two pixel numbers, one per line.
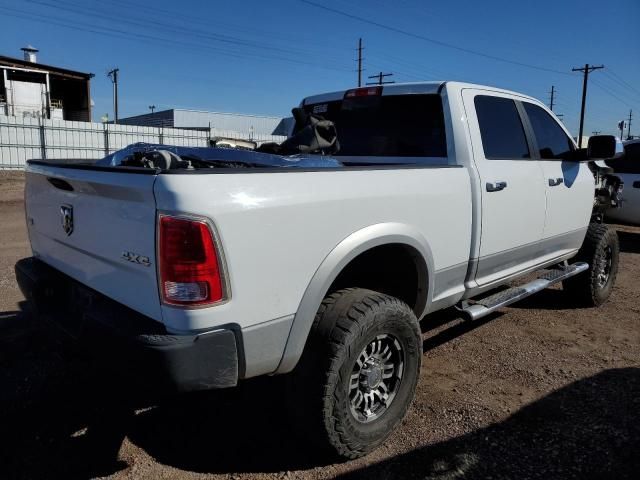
(541,390)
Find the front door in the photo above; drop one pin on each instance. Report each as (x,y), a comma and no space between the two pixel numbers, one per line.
(512,186)
(569,184)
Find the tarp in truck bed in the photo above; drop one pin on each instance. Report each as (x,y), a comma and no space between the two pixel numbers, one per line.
(213,154)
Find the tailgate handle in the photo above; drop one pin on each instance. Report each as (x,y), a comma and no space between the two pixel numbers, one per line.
(61,184)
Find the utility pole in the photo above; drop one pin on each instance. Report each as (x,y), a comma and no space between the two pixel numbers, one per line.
(629,125)
(621,128)
(360,62)
(113,75)
(152,108)
(586,70)
(553,91)
(380,76)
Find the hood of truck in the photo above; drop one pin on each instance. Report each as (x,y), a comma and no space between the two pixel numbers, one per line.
(98,227)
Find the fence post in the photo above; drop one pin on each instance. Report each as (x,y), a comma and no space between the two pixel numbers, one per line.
(106,139)
(43,142)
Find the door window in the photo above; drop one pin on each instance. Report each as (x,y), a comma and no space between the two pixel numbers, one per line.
(553,142)
(501,128)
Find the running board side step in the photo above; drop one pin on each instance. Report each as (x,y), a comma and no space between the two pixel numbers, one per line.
(485,306)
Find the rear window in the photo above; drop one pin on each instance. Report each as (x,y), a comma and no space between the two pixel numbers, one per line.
(387,126)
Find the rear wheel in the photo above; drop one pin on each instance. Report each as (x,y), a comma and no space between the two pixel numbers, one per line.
(359,371)
(601,251)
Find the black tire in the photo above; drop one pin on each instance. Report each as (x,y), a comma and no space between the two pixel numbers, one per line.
(601,251)
(321,393)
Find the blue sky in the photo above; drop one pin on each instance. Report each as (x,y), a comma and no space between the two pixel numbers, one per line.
(263,57)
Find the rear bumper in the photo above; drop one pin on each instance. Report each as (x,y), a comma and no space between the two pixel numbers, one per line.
(126,339)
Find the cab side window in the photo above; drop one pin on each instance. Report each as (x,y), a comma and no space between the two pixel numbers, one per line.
(553,142)
(501,129)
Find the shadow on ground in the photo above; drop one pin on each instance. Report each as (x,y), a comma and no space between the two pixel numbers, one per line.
(629,241)
(589,429)
(63,417)
(547,299)
(443,326)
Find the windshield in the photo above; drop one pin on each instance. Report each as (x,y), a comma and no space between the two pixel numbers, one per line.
(387,125)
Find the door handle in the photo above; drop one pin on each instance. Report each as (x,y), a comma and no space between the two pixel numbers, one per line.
(496,187)
(553,182)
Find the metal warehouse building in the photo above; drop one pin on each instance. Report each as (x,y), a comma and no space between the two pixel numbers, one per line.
(34,90)
(246,126)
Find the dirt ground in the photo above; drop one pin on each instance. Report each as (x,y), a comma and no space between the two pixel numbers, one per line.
(541,390)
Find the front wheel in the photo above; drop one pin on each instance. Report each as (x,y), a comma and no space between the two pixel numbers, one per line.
(359,371)
(601,251)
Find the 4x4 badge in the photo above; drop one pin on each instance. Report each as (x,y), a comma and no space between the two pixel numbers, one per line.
(135,258)
(67,218)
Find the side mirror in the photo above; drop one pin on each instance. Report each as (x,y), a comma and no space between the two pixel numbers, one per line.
(601,147)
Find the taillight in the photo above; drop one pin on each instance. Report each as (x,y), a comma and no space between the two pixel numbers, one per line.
(190,271)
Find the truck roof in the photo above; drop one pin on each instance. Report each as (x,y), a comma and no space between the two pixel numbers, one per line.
(411,88)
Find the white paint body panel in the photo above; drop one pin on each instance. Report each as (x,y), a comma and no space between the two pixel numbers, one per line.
(569,204)
(112,213)
(276,228)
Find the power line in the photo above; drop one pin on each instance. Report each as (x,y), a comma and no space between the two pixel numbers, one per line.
(125,34)
(380,76)
(620,92)
(94,13)
(410,66)
(586,70)
(611,94)
(430,40)
(620,80)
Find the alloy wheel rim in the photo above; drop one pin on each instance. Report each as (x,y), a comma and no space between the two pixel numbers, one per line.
(604,270)
(375,378)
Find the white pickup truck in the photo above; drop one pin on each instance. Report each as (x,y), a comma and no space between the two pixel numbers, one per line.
(203,267)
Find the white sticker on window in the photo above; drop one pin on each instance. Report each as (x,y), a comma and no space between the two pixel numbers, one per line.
(320,108)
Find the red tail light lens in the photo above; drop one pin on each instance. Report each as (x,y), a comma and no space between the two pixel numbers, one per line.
(363,92)
(189,267)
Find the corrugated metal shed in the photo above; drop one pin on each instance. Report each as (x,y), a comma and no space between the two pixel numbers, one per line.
(163,118)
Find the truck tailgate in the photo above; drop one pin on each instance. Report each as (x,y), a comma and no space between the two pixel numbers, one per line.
(99,227)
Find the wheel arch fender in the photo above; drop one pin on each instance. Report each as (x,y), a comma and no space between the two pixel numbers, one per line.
(340,256)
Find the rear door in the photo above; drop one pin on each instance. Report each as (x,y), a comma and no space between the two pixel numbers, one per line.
(99,227)
(512,186)
(569,185)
